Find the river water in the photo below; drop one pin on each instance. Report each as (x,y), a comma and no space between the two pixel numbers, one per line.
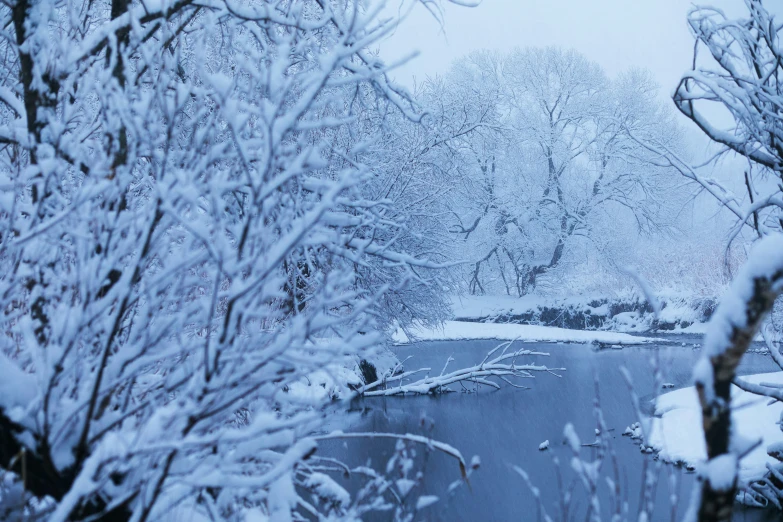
(505,427)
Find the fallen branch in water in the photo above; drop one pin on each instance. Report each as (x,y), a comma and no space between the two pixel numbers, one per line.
(502,367)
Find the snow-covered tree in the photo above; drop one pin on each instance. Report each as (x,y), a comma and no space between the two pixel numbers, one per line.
(557,168)
(192,221)
(740,77)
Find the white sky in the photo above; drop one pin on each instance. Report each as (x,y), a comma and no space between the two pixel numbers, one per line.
(617,34)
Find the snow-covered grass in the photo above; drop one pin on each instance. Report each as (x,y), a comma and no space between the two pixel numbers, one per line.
(458,330)
(679,436)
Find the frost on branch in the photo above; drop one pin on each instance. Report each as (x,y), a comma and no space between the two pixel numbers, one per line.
(550,160)
(743,76)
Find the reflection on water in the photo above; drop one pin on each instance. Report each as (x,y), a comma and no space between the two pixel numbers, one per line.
(505,428)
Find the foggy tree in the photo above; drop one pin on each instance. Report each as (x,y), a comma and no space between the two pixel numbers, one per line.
(417,161)
(465,124)
(190,223)
(559,165)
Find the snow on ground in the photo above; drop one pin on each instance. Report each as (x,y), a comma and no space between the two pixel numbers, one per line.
(17,389)
(679,436)
(491,305)
(458,330)
(333,381)
(338,379)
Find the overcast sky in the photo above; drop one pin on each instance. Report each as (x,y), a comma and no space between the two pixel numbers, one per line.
(617,34)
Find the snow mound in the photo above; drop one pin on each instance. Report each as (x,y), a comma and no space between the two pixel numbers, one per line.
(17,389)
(679,436)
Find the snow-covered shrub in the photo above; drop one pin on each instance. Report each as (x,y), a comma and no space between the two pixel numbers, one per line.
(191,227)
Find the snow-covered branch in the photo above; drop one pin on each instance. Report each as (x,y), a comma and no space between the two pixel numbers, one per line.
(742,76)
(502,367)
(192,222)
(732,328)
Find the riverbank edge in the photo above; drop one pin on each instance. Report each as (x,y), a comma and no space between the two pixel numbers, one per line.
(679,313)
(677,434)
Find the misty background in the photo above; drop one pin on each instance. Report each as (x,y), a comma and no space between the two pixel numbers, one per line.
(616,34)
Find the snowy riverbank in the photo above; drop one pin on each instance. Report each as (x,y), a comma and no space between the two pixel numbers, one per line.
(339,379)
(631,314)
(462,330)
(678,435)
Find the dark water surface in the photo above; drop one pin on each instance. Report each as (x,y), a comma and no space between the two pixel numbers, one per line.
(505,428)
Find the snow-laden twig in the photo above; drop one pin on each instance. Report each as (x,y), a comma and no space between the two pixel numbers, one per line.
(419,439)
(194,220)
(542,513)
(647,290)
(739,74)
